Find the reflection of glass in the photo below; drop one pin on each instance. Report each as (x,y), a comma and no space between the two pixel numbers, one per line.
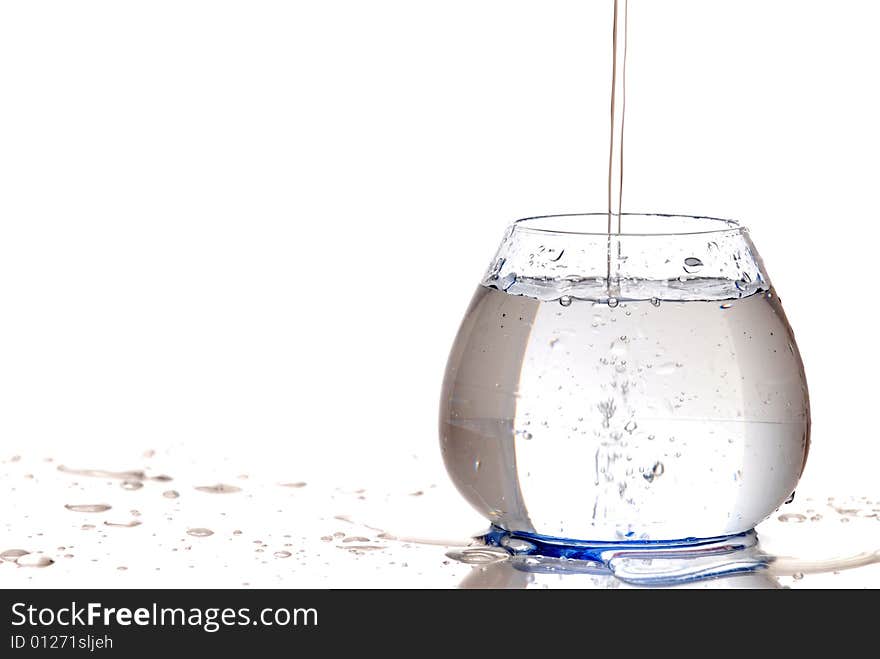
(512,575)
(642,386)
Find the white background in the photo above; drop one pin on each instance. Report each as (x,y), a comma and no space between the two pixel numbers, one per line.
(248,230)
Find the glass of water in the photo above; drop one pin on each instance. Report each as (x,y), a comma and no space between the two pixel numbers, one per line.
(634,387)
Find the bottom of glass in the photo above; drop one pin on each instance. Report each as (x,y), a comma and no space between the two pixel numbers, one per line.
(645,562)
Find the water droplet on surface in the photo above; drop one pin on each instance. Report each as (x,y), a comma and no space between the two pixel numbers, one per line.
(12,554)
(655,472)
(131,485)
(726,305)
(792,517)
(219,488)
(479,555)
(170,494)
(508,281)
(565,300)
(88,507)
(295,485)
(613,302)
(790,498)
(692,265)
(199,532)
(655,301)
(282,554)
(631,426)
(124,525)
(34,560)
(517,545)
(798,576)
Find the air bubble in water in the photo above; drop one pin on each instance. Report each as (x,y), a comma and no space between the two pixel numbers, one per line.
(655,472)
(613,302)
(692,265)
(34,560)
(88,507)
(199,532)
(565,300)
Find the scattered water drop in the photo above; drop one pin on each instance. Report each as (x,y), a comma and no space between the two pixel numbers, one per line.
(479,555)
(34,560)
(297,484)
(565,300)
(613,302)
(219,488)
(103,473)
(356,538)
(282,554)
(199,532)
(88,507)
(170,494)
(517,545)
(125,525)
(792,517)
(12,555)
(655,301)
(798,576)
(726,305)
(790,498)
(508,281)
(655,472)
(131,485)
(631,426)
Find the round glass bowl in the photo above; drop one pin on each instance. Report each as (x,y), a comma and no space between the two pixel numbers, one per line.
(636,387)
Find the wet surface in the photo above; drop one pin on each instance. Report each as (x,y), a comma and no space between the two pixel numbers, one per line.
(76,527)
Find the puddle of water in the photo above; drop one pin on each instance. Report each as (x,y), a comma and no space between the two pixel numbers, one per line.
(310,546)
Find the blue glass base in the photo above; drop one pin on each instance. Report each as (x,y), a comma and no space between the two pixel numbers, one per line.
(645,562)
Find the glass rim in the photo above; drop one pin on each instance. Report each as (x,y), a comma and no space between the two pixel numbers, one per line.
(728,225)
